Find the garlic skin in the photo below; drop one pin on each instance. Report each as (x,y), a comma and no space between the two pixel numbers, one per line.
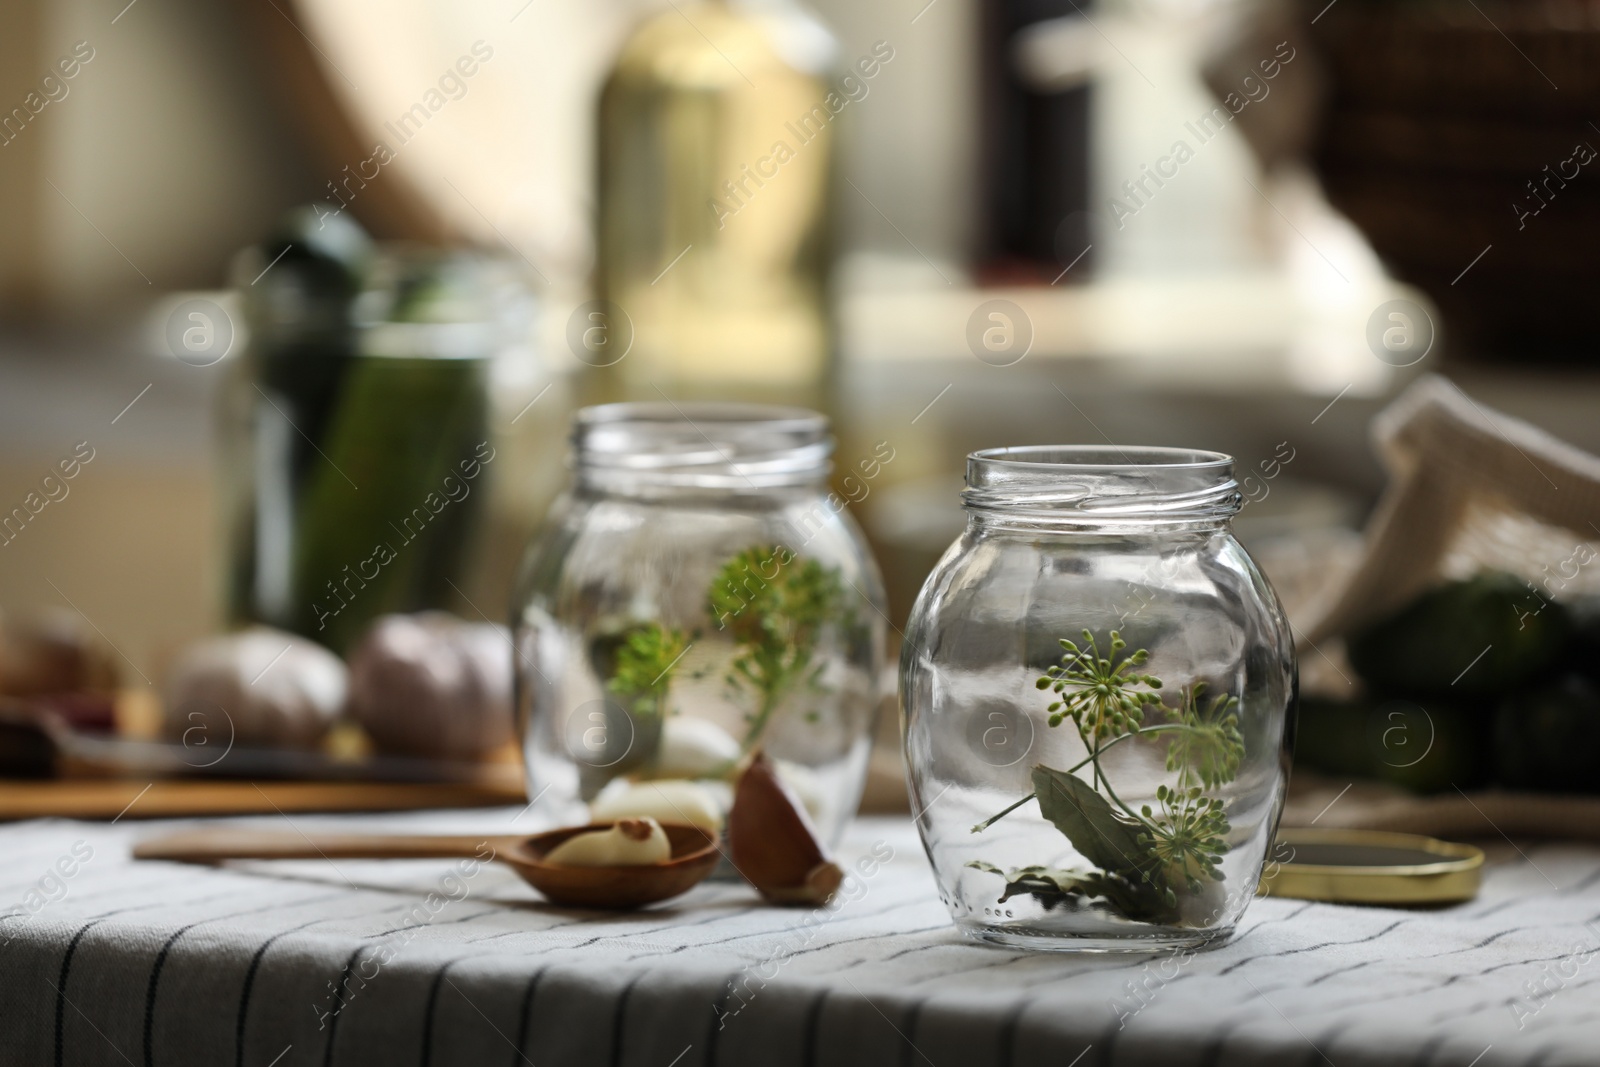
(257,687)
(807,788)
(433,685)
(694,748)
(627,843)
(669,800)
(772,843)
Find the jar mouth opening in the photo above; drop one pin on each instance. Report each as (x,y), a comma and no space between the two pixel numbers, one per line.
(701,445)
(1100,484)
(1103,457)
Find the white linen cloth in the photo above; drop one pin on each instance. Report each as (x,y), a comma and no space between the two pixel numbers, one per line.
(353,962)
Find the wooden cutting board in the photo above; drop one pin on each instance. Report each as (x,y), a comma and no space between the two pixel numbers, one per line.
(130,798)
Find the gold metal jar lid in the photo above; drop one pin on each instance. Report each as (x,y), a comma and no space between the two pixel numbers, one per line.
(1371,867)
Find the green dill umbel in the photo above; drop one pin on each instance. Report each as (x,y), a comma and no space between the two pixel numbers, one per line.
(1102,695)
(644,666)
(1144,856)
(1208,749)
(771,604)
(774,606)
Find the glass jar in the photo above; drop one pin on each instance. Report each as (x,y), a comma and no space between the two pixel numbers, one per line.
(357,433)
(697,593)
(1097,685)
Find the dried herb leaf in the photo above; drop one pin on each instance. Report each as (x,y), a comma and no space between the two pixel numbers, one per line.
(1105,838)
(1050,887)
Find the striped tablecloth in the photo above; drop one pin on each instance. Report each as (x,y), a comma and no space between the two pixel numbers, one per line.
(109,961)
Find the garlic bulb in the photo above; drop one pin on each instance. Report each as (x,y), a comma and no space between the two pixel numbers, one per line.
(670,800)
(432,685)
(53,653)
(627,843)
(257,687)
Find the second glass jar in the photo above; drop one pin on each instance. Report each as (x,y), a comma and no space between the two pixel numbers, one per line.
(696,594)
(1098,685)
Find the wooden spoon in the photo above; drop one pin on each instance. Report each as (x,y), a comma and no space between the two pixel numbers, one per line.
(694,856)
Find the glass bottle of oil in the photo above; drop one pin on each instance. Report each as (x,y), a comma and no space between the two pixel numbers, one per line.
(716,145)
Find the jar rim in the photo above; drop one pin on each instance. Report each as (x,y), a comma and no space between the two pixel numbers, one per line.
(710,411)
(1100,485)
(701,444)
(1087,457)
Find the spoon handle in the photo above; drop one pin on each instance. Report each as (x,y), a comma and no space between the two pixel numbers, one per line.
(210,845)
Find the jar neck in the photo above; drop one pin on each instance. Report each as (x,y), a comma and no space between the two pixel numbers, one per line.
(614,485)
(1107,491)
(1031,526)
(680,451)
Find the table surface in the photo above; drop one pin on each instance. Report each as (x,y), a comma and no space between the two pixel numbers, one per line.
(423,962)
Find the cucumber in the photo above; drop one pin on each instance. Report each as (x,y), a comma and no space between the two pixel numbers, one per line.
(1549,738)
(1463,641)
(1427,746)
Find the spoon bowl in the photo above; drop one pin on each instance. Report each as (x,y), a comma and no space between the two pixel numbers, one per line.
(694,856)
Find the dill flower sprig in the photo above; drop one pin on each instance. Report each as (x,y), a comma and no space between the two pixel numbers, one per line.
(1101,694)
(644,663)
(1208,749)
(1188,837)
(775,607)
(1142,858)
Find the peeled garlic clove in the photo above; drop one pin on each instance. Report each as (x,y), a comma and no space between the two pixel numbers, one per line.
(672,800)
(719,792)
(772,842)
(433,685)
(257,687)
(627,843)
(694,748)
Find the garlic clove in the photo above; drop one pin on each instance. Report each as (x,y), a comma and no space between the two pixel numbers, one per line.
(627,843)
(694,748)
(669,800)
(695,854)
(719,792)
(772,843)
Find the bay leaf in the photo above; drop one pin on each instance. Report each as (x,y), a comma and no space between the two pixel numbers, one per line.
(1131,900)
(1106,839)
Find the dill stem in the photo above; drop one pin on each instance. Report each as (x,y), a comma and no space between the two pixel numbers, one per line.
(1091,758)
(758,725)
(991,820)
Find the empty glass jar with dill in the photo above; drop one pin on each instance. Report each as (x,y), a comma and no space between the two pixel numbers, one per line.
(697,594)
(1097,683)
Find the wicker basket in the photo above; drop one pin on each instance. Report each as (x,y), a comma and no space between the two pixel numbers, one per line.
(1438,120)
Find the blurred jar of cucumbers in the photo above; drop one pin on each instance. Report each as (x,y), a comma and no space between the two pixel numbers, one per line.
(356,429)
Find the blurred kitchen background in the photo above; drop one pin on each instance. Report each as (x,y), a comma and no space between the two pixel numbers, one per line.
(1341,164)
